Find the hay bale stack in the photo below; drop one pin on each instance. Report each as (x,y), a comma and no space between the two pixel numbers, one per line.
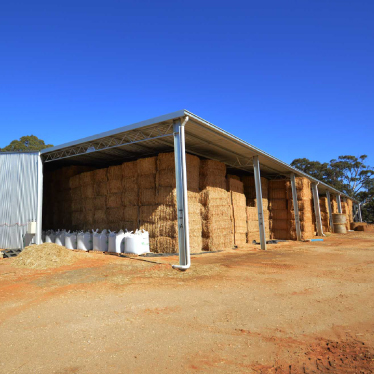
(216,208)
(324,206)
(250,191)
(305,205)
(87,201)
(238,206)
(114,209)
(148,208)
(166,224)
(253,230)
(346,211)
(130,195)
(279,226)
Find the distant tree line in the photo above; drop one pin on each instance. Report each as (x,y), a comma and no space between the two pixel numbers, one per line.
(29,143)
(349,174)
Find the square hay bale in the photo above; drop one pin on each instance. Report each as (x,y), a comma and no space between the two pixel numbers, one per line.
(252,213)
(166,213)
(235,185)
(147,196)
(114,186)
(304,227)
(253,203)
(130,169)
(217,243)
(303,205)
(75,182)
(114,200)
(278,204)
(77,218)
(249,180)
(115,215)
(167,228)
(166,178)
(147,165)
(129,225)
(216,227)
(212,167)
(76,193)
(240,239)
(77,205)
(277,193)
(86,178)
(303,215)
(166,245)
(238,199)
(88,204)
(100,175)
(101,188)
(151,228)
(131,213)
(279,224)
(279,214)
(115,172)
(148,213)
(196,244)
(278,184)
(88,191)
(88,217)
(217,212)
(214,196)
(212,181)
(130,183)
(166,161)
(280,234)
(99,217)
(99,202)
(301,194)
(232,176)
(147,181)
(130,197)
(168,196)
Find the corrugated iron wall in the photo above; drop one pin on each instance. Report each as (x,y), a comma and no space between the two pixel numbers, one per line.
(18,196)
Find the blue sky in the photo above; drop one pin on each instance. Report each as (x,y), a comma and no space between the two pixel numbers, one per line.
(294,78)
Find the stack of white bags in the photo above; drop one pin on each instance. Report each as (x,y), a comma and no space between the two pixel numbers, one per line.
(104,241)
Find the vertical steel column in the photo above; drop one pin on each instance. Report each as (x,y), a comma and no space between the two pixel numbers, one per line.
(359,213)
(339,202)
(295,206)
(182,197)
(330,210)
(38,235)
(260,210)
(317,209)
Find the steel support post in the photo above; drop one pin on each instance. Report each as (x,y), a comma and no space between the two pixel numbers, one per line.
(317,209)
(359,213)
(330,210)
(182,198)
(295,206)
(260,210)
(339,202)
(38,235)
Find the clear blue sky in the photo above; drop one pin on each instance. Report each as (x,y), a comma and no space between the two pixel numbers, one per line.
(294,78)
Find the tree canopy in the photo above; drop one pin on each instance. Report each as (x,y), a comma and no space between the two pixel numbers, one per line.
(26,143)
(349,174)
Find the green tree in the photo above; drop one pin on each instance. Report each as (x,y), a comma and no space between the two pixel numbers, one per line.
(26,143)
(349,174)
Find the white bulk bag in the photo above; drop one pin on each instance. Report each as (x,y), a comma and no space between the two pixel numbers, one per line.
(71,240)
(116,241)
(60,237)
(103,241)
(50,236)
(96,240)
(84,240)
(137,243)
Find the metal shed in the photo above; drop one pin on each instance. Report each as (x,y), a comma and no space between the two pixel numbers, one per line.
(181,132)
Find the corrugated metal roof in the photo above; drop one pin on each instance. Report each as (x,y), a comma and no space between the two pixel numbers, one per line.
(154,135)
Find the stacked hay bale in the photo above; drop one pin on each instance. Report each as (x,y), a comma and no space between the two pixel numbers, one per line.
(278,206)
(76,202)
(148,212)
(166,215)
(238,207)
(324,206)
(305,205)
(100,179)
(350,210)
(253,230)
(114,209)
(334,204)
(216,208)
(88,196)
(130,195)
(345,210)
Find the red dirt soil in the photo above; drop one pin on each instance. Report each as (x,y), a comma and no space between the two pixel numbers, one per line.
(296,308)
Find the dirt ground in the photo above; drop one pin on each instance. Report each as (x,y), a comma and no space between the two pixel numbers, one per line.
(296,308)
